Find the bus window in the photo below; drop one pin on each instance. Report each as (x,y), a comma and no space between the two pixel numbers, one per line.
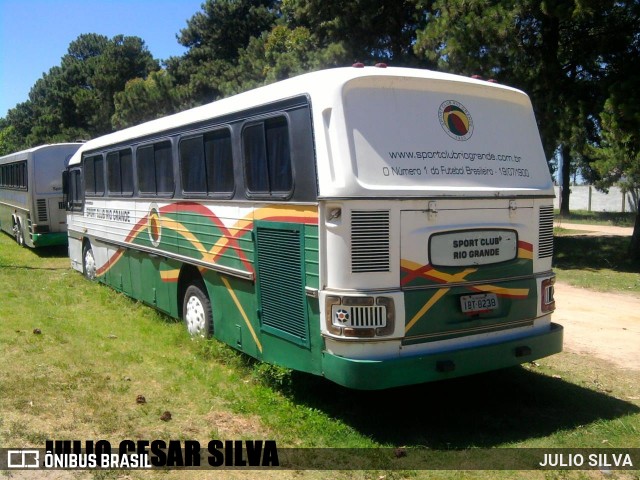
(94,175)
(155,169)
(164,168)
(72,188)
(217,146)
(192,166)
(120,173)
(267,157)
(277,133)
(206,163)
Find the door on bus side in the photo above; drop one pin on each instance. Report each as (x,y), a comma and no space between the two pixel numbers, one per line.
(73,198)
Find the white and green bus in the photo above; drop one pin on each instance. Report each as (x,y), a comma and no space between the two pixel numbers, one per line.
(31,205)
(375,226)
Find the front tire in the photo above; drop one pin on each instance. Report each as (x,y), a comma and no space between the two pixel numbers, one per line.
(196,311)
(89,267)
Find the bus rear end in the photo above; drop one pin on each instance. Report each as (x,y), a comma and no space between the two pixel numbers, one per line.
(437,224)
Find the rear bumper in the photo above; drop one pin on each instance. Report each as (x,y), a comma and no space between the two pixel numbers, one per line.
(49,239)
(380,374)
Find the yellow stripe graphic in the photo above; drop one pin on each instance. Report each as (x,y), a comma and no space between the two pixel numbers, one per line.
(458,277)
(432,301)
(505,292)
(182,230)
(169,275)
(242,312)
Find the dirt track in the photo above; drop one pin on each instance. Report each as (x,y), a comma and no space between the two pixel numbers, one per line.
(606,325)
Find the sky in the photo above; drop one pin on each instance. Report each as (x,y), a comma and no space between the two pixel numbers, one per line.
(35,34)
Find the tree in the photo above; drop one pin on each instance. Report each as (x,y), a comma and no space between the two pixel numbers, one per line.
(146,99)
(216,37)
(617,155)
(9,141)
(540,47)
(75,100)
(617,158)
(369,31)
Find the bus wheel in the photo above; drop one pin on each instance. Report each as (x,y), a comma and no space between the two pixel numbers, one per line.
(88,262)
(196,311)
(17,227)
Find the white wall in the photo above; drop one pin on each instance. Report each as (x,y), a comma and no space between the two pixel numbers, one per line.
(614,201)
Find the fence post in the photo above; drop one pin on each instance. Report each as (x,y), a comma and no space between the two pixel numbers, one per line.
(589,201)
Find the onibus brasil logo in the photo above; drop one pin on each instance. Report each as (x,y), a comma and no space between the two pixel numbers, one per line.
(455,120)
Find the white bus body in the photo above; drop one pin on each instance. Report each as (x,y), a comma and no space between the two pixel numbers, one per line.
(377,226)
(31,204)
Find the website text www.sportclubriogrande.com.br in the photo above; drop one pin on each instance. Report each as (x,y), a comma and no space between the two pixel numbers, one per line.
(418,171)
(452,155)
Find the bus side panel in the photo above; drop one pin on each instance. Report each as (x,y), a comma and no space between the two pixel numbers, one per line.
(6,219)
(118,275)
(234,309)
(295,342)
(147,283)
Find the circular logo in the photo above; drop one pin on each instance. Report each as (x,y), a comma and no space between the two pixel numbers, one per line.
(455,120)
(154,227)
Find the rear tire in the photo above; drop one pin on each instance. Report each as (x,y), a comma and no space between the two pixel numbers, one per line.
(196,311)
(19,233)
(89,262)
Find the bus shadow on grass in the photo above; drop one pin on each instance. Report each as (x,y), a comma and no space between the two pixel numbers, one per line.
(483,411)
(57,251)
(43,253)
(581,252)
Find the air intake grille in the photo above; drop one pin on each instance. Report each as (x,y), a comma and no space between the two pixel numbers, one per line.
(369,241)
(42,210)
(545,232)
(281,280)
(360,316)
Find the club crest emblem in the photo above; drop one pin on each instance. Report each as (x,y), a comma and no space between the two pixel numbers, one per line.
(455,120)
(154,227)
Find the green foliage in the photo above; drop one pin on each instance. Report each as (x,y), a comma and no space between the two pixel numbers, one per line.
(9,141)
(76,99)
(576,59)
(145,99)
(215,37)
(560,52)
(362,30)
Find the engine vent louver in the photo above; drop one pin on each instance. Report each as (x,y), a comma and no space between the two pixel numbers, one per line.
(370,241)
(280,258)
(545,232)
(42,210)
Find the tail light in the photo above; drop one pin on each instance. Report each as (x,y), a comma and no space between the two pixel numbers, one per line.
(548,302)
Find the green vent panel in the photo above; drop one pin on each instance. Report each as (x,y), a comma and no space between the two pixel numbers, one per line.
(281,281)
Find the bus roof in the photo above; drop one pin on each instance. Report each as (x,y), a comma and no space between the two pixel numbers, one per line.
(47,146)
(321,86)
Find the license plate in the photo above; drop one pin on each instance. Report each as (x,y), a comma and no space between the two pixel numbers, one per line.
(484,302)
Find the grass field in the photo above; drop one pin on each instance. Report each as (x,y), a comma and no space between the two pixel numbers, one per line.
(618,219)
(598,263)
(79,378)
